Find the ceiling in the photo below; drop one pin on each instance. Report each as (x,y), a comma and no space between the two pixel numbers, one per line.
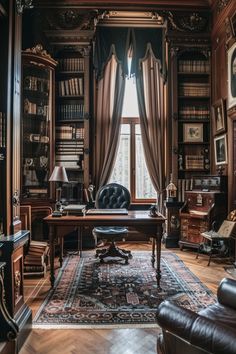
(147,4)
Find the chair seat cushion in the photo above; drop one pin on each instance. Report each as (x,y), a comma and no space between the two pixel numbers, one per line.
(112,230)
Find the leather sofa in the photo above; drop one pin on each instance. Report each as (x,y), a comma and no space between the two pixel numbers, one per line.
(212,330)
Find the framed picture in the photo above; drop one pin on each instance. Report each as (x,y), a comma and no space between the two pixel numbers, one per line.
(220,148)
(219,116)
(193,132)
(232,76)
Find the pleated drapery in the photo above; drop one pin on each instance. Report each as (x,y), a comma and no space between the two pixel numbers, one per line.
(150,91)
(148,66)
(107,124)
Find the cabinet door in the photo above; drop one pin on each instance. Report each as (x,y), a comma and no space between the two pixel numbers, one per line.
(37,123)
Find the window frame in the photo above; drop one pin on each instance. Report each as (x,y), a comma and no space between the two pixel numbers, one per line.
(132,121)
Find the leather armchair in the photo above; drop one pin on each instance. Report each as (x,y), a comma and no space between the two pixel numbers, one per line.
(212,330)
(112,196)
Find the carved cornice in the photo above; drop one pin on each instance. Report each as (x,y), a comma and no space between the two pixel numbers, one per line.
(38,49)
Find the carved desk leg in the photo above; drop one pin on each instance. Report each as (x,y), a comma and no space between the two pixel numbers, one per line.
(153,251)
(158,254)
(52,235)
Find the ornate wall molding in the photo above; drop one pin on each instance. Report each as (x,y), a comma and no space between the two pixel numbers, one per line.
(69,19)
(221,4)
(193,22)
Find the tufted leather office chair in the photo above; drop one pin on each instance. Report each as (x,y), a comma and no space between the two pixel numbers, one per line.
(112,196)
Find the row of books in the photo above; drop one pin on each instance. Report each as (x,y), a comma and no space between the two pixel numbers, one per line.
(34,83)
(2,129)
(69,132)
(194,162)
(74,164)
(71,64)
(194,66)
(36,259)
(71,147)
(194,112)
(194,89)
(71,87)
(70,111)
(34,108)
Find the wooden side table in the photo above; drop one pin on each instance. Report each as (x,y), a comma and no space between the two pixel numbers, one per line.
(214,245)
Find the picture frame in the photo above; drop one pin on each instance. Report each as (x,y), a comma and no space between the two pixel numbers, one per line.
(192,132)
(219,116)
(220,149)
(231,65)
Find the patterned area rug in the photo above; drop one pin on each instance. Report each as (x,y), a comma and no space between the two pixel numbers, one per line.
(89,294)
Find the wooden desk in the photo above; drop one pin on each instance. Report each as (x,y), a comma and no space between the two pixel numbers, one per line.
(140,220)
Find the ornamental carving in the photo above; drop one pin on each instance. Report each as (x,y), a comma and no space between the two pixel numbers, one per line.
(221,4)
(38,49)
(17,283)
(68,19)
(193,22)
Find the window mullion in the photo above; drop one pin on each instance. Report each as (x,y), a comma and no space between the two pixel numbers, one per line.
(132,159)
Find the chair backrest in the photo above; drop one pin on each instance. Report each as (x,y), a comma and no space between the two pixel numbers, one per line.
(112,196)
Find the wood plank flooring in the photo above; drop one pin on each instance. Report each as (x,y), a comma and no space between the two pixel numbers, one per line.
(112,341)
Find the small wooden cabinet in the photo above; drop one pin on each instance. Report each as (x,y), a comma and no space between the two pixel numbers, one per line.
(205,204)
(172,234)
(12,253)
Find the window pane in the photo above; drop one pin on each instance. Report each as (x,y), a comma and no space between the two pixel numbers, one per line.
(121,171)
(130,105)
(143,186)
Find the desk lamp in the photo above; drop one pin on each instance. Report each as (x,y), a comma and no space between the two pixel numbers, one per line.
(59,176)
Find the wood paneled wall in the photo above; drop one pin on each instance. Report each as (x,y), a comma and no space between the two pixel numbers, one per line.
(222,39)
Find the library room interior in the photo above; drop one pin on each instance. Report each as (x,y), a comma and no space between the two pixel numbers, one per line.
(118,177)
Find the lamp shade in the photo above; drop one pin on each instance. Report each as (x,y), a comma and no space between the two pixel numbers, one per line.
(59,174)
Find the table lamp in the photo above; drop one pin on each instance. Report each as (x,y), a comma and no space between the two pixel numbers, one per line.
(59,176)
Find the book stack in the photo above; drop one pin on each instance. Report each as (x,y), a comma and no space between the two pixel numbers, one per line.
(36,260)
(74,209)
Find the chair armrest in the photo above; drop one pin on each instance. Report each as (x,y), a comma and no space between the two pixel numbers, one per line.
(196,329)
(226,293)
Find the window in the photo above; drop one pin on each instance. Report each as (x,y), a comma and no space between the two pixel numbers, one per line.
(130,167)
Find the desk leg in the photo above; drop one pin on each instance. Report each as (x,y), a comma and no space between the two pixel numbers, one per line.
(153,251)
(80,236)
(158,255)
(52,233)
(61,249)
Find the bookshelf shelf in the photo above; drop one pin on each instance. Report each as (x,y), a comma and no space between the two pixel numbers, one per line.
(192,112)
(72,129)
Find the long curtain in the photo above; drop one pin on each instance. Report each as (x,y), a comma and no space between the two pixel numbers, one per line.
(150,91)
(110,97)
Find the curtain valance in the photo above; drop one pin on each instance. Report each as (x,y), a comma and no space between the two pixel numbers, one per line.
(118,40)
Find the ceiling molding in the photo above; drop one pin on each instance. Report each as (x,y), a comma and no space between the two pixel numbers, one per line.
(147,4)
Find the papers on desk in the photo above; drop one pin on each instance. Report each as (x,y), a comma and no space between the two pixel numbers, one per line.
(121,211)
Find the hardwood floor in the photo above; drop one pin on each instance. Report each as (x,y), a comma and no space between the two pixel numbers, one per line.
(104,341)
